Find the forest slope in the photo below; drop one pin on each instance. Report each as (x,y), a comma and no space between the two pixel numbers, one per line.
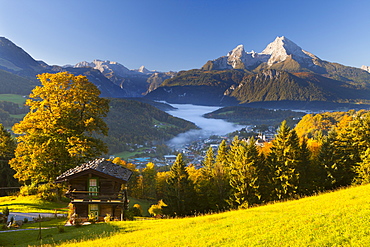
(129,121)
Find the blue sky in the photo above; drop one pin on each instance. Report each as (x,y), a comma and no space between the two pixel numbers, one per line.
(183,34)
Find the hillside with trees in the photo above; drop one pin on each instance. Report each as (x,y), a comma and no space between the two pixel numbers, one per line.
(14,84)
(332,154)
(133,122)
(325,151)
(253,116)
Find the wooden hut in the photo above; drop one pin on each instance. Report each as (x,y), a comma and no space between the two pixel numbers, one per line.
(97,189)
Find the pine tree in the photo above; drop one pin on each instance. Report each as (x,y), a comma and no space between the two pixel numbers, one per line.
(220,178)
(149,174)
(222,152)
(284,160)
(209,159)
(363,169)
(243,175)
(306,170)
(205,187)
(335,158)
(180,194)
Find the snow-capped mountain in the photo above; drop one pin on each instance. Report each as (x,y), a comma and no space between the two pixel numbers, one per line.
(366,68)
(280,50)
(283,71)
(135,83)
(109,67)
(144,70)
(106,67)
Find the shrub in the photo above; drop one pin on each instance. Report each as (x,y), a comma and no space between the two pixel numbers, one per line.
(92,218)
(137,210)
(77,221)
(157,208)
(107,218)
(28,190)
(129,215)
(48,191)
(25,220)
(6,211)
(60,229)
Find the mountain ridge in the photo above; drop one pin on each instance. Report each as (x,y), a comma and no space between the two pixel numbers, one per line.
(293,75)
(226,80)
(112,78)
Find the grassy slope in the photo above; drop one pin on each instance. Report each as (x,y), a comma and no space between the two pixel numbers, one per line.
(18,99)
(335,219)
(30,204)
(341,218)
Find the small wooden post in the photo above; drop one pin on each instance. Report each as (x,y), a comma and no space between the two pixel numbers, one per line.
(39,236)
(122,213)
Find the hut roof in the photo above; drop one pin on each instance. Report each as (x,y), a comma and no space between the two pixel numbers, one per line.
(100,165)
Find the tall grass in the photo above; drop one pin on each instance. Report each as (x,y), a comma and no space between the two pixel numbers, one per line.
(30,204)
(340,218)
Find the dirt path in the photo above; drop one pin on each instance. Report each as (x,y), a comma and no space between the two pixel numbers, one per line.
(31,216)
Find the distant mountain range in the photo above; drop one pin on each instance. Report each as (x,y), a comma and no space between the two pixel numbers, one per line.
(282,72)
(113,79)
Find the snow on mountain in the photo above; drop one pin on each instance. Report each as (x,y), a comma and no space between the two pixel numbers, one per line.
(144,70)
(110,67)
(249,59)
(367,68)
(277,51)
(281,48)
(106,67)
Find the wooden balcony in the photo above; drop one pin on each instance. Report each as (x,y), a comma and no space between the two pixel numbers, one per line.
(96,197)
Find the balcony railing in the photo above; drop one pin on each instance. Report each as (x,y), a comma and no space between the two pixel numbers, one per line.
(93,195)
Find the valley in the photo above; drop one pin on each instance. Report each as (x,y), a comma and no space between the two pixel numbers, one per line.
(184,123)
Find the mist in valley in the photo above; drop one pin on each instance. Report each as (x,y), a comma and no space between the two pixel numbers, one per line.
(208,126)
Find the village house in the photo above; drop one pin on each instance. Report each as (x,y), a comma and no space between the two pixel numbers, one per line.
(97,189)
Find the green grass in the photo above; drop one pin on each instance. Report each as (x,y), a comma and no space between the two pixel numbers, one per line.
(145,204)
(52,236)
(30,204)
(226,113)
(19,116)
(125,155)
(163,125)
(340,218)
(15,98)
(52,222)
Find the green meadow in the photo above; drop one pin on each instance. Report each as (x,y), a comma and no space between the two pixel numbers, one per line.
(31,204)
(340,218)
(15,98)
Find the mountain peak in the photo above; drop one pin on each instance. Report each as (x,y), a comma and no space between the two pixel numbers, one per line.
(366,68)
(281,48)
(237,51)
(106,67)
(143,70)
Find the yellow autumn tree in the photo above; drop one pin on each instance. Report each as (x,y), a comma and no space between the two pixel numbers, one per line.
(58,131)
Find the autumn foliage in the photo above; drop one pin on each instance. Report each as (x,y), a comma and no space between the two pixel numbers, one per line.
(57,133)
